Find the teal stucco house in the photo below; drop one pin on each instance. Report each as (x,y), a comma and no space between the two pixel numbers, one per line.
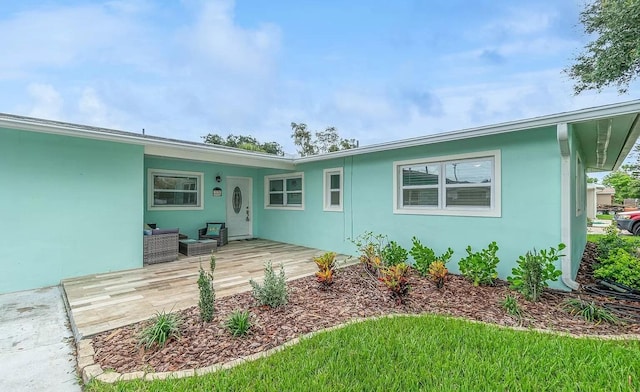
(75,198)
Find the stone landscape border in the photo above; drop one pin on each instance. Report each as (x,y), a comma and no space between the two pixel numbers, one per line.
(90,369)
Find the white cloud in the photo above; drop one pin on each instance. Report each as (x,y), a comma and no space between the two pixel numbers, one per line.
(92,108)
(46,101)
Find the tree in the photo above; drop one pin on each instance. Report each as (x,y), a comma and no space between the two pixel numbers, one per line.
(592,180)
(613,57)
(244,142)
(324,141)
(626,185)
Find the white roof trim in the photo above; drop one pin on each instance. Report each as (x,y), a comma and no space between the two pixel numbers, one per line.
(536,122)
(211,153)
(153,145)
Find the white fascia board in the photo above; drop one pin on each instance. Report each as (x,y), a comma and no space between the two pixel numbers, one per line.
(152,145)
(512,126)
(208,155)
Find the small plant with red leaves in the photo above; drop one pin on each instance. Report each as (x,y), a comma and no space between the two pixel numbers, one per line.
(396,280)
(438,273)
(326,269)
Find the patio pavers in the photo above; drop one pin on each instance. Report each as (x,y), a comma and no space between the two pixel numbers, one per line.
(102,302)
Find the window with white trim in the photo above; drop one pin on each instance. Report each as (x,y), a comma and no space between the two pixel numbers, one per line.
(581,186)
(284,191)
(174,190)
(332,186)
(466,184)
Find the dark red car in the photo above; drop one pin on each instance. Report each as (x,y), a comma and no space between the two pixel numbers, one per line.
(629,220)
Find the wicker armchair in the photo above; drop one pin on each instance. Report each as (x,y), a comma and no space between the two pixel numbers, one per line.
(160,246)
(222,237)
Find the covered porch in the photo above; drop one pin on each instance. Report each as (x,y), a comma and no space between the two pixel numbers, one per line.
(101,302)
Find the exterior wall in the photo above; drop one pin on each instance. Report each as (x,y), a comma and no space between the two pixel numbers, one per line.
(530,163)
(68,207)
(189,221)
(605,199)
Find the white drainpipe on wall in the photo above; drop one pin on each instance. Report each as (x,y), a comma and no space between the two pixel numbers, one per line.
(565,206)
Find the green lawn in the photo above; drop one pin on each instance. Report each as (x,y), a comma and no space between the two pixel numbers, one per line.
(425,353)
(604,217)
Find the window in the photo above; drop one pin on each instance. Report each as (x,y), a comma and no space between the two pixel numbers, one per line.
(332,185)
(284,191)
(174,190)
(467,184)
(581,186)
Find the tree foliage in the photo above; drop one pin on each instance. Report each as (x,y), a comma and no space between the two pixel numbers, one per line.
(319,142)
(613,57)
(627,186)
(244,142)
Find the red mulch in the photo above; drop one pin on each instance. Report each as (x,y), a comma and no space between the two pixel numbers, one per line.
(353,295)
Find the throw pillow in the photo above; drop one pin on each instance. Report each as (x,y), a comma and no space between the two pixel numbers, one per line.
(213,229)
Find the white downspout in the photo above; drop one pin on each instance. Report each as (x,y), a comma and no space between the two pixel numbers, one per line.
(565,204)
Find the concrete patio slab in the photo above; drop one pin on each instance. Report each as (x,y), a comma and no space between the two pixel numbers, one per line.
(36,344)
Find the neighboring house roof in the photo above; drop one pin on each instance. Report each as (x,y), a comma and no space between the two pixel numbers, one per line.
(606,133)
(606,191)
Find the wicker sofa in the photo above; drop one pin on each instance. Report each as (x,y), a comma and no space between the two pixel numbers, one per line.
(160,246)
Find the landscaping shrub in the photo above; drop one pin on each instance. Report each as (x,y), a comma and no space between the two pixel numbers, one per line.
(621,267)
(163,327)
(393,254)
(326,268)
(395,278)
(423,256)
(534,271)
(273,291)
(239,323)
(589,311)
(481,267)
(510,305)
(207,292)
(370,247)
(438,273)
(611,241)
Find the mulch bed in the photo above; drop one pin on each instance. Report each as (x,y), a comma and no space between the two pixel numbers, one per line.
(353,295)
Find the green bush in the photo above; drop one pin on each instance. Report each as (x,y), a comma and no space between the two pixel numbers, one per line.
(611,241)
(534,271)
(273,291)
(621,267)
(207,292)
(239,323)
(423,256)
(589,311)
(163,327)
(481,267)
(393,254)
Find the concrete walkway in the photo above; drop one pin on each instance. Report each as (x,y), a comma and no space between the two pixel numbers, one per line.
(36,343)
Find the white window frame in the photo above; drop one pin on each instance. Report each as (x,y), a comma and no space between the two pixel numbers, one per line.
(284,178)
(580,186)
(495,209)
(326,186)
(151,173)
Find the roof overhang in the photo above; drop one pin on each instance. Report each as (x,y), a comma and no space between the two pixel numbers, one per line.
(624,129)
(154,146)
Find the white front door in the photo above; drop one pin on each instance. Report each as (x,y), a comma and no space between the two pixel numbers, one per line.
(239,207)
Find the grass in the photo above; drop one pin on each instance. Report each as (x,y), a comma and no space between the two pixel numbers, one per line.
(595,237)
(424,353)
(605,217)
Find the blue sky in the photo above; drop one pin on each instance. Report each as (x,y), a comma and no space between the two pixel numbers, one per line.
(376,70)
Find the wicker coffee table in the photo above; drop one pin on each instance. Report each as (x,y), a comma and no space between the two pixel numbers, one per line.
(197,247)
